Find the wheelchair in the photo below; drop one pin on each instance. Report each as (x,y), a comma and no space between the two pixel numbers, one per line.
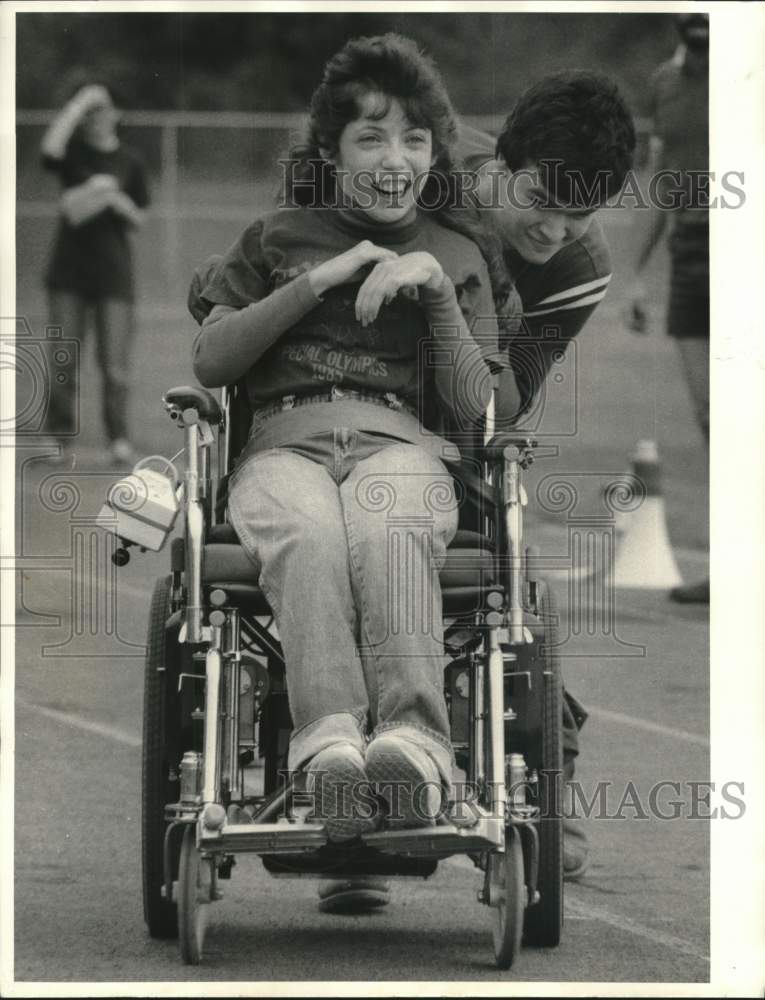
(216,721)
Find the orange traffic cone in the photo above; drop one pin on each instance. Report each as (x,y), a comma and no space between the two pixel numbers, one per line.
(644,557)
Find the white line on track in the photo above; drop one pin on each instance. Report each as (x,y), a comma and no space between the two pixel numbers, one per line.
(78,722)
(622,923)
(649,727)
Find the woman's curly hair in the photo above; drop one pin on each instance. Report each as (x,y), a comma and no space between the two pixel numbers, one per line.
(394,67)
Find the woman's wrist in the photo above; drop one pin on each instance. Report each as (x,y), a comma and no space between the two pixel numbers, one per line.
(440,293)
(319,280)
(436,280)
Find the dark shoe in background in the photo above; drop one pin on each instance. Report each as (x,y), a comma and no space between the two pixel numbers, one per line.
(576,850)
(694,593)
(354,896)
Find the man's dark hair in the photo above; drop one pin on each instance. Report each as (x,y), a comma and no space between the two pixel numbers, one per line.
(577,128)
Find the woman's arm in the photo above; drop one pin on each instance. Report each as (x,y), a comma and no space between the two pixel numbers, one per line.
(232,340)
(463,379)
(60,130)
(464,382)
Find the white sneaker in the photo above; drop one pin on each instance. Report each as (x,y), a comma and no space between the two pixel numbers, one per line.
(341,797)
(407,778)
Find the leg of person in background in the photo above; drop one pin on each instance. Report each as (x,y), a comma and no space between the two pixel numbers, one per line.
(68,312)
(694,355)
(576,848)
(115,331)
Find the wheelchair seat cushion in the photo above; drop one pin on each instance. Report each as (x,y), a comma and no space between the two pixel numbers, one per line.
(468,573)
(224,534)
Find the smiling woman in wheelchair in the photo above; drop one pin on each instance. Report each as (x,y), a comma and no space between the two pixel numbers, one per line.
(347,317)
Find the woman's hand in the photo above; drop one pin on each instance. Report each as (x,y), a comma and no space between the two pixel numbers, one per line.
(85,201)
(636,313)
(389,276)
(124,206)
(346,266)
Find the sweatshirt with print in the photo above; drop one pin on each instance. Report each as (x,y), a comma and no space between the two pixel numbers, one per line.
(431,349)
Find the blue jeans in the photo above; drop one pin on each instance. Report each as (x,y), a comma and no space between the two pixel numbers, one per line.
(348,531)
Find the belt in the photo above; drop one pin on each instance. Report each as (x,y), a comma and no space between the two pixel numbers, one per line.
(389,399)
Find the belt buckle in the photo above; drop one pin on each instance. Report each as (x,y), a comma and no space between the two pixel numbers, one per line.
(335,393)
(288,402)
(393,401)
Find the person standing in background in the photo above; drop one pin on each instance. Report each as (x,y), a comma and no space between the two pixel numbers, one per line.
(680,144)
(90,270)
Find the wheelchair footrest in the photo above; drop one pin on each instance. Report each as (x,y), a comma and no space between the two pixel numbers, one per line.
(440,841)
(265,838)
(486,834)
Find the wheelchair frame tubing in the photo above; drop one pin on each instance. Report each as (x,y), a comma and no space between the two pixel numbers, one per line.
(497,726)
(224,436)
(478,720)
(232,666)
(511,501)
(212,726)
(194,537)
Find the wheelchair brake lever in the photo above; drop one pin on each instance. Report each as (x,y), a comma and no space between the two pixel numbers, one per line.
(206,436)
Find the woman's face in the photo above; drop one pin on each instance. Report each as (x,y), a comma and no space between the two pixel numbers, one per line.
(382,163)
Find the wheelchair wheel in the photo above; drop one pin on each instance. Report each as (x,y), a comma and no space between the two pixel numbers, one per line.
(544,920)
(196,887)
(159,704)
(510,889)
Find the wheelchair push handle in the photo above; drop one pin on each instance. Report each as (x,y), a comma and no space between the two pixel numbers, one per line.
(191,403)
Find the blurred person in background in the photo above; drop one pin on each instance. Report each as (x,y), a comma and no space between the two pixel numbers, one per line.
(679,108)
(89,276)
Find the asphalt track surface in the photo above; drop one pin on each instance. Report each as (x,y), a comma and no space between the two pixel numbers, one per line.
(640,914)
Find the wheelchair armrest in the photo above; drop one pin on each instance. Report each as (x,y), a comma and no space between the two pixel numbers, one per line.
(192,396)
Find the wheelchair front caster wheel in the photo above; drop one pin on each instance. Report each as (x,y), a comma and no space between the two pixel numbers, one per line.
(508,899)
(196,890)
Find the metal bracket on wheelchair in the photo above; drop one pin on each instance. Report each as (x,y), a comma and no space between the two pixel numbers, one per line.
(175,412)
(526,447)
(511,449)
(189,417)
(189,677)
(206,634)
